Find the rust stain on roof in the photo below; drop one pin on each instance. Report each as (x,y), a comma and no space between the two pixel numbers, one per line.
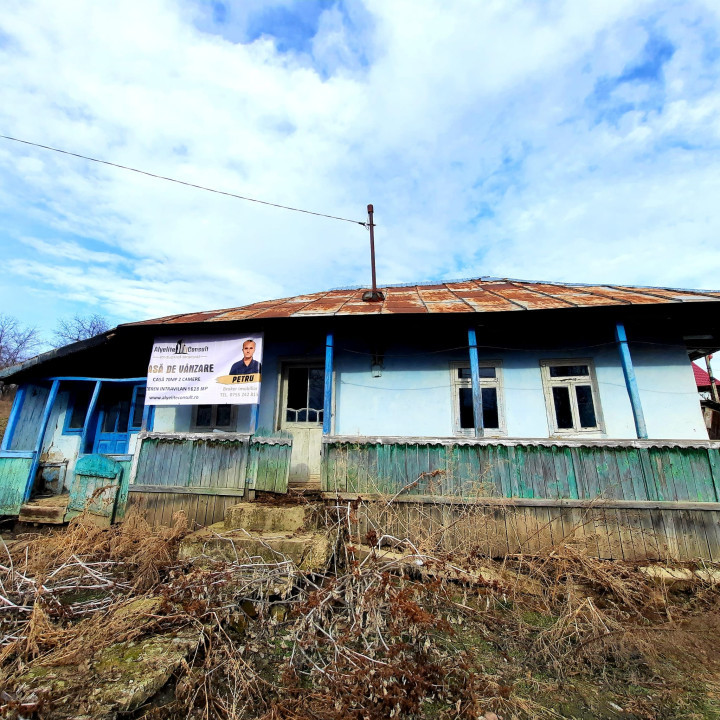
(636,296)
(466,296)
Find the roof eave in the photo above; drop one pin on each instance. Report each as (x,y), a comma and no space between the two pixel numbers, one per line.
(7,374)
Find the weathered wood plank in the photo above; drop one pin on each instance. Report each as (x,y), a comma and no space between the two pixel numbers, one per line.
(14,475)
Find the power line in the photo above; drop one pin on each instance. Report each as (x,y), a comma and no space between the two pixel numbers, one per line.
(183,182)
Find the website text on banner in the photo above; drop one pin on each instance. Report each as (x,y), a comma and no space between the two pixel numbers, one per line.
(205,370)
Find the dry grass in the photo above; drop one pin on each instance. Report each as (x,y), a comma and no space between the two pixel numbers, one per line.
(435,629)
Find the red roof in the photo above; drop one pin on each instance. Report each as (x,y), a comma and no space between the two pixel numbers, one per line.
(702,379)
(466,296)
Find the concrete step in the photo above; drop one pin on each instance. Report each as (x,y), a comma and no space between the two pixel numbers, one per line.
(309,551)
(261,517)
(49,510)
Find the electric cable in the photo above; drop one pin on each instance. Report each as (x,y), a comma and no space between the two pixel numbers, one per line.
(184,182)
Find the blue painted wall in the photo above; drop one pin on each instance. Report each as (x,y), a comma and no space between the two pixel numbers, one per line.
(413,397)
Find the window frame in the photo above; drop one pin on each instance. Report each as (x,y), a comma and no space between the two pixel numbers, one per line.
(571,381)
(232,427)
(497,382)
(67,430)
(285,367)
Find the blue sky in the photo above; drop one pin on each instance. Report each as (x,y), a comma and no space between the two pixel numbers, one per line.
(561,141)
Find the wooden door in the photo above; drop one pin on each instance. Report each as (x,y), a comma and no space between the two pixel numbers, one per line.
(301,414)
(120,413)
(95,489)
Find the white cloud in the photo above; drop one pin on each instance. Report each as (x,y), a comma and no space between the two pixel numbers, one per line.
(480,131)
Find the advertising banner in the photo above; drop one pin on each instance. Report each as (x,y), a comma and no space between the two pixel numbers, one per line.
(205,370)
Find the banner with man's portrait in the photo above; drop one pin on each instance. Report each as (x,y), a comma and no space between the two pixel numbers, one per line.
(205,370)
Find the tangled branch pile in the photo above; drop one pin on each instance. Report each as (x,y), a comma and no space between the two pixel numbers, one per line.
(393,629)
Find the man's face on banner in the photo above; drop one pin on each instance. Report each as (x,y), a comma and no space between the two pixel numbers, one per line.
(248,349)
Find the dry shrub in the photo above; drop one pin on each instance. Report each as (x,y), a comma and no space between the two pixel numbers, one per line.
(381,635)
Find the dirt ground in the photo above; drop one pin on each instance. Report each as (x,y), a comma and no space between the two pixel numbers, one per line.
(379,635)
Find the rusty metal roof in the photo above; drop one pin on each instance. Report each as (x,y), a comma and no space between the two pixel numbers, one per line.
(465,296)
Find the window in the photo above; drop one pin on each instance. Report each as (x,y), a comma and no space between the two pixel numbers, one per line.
(214,417)
(571,396)
(491,393)
(79,395)
(304,394)
(138,406)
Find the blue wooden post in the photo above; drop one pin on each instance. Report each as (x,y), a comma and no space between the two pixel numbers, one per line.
(41,434)
(254,417)
(148,418)
(145,418)
(631,381)
(89,416)
(476,390)
(14,417)
(327,403)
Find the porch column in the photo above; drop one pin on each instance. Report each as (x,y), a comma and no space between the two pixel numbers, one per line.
(89,415)
(254,417)
(476,391)
(41,434)
(327,402)
(630,381)
(14,418)
(148,418)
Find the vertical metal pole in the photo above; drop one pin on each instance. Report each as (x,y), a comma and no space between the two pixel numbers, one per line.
(372,247)
(327,403)
(14,417)
(713,386)
(89,416)
(373,295)
(631,381)
(476,390)
(41,435)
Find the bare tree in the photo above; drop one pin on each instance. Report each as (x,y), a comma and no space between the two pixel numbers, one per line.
(79,327)
(17,343)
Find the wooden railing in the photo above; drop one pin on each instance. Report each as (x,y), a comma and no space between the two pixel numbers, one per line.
(651,499)
(203,473)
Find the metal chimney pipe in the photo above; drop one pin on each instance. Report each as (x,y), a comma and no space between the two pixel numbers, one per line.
(373,295)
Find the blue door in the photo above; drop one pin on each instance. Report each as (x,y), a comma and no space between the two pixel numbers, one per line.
(120,408)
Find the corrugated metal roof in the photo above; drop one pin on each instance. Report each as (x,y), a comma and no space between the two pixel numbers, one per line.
(464,296)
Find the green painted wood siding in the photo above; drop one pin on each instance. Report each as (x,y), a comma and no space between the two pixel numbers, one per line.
(192,463)
(95,487)
(14,473)
(269,464)
(525,471)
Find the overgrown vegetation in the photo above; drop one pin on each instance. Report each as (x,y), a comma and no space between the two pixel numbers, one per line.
(390,630)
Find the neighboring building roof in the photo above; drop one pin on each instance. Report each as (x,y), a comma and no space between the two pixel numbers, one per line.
(702,379)
(479,295)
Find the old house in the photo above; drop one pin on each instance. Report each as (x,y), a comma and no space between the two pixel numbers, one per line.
(544,396)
